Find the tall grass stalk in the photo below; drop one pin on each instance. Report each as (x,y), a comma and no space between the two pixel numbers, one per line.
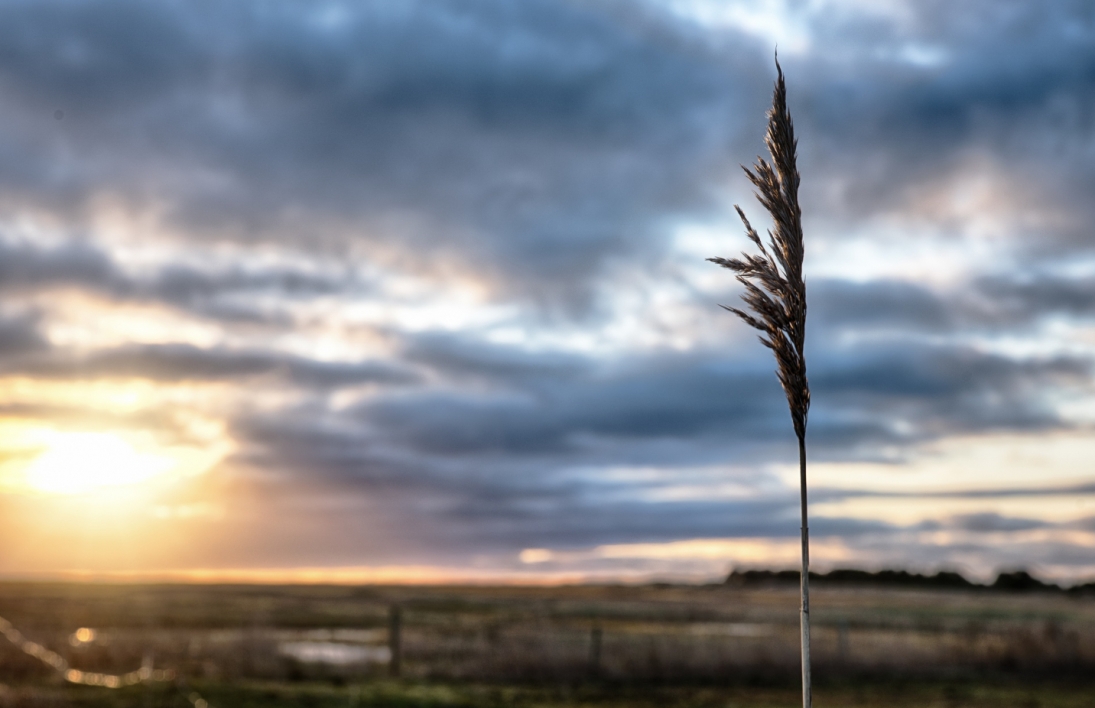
(775,295)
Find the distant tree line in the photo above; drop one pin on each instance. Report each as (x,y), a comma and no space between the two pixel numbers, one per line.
(1015,581)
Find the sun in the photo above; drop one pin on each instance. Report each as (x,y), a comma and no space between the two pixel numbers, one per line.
(81,462)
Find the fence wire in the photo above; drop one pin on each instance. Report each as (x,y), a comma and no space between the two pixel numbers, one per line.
(145,674)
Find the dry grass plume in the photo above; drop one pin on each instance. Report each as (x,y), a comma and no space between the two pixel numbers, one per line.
(775,295)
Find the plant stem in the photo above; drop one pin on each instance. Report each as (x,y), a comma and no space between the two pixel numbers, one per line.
(804,614)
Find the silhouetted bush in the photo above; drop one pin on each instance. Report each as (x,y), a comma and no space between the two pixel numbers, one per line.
(1015,581)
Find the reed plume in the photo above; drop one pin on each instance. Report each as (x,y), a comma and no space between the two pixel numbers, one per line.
(775,295)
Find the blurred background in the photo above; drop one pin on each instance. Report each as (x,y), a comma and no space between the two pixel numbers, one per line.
(415,293)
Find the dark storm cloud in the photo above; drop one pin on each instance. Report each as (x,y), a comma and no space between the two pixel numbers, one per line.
(669,396)
(895,305)
(557,405)
(1026,297)
(993,305)
(1015,85)
(530,141)
(866,397)
(533,140)
(943,375)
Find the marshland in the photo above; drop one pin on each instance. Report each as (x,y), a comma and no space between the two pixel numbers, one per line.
(727,644)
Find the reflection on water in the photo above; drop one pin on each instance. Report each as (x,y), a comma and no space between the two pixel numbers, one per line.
(361,636)
(335,653)
(733,629)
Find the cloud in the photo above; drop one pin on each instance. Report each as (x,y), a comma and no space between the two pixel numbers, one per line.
(180,362)
(986,522)
(890,304)
(303,124)
(1004,85)
(533,456)
(1023,298)
(19,336)
(561,405)
(427,255)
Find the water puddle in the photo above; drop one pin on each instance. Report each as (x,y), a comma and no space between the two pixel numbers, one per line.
(335,653)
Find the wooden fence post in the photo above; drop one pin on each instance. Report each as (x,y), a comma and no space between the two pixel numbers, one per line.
(395,644)
(842,641)
(595,636)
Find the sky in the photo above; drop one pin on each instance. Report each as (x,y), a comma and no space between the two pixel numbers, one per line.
(416,291)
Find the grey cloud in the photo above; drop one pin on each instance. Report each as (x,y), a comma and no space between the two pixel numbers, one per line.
(1086,523)
(462,358)
(928,372)
(834,494)
(989,522)
(224,293)
(190,284)
(988,305)
(1011,90)
(570,525)
(532,160)
(25,265)
(948,388)
(895,305)
(20,336)
(1024,298)
(183,362)
(492,458)
(673,396)
(490,506)
(538,409)
(939,389)
(96,56)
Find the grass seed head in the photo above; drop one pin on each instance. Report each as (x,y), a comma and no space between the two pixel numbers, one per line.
(775,293)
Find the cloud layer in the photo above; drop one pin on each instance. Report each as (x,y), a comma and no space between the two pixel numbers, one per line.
(431,275)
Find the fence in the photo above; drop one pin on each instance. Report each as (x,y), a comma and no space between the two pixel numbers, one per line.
(58,663)
(565,635)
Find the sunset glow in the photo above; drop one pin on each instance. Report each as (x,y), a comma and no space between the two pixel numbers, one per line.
(75,463)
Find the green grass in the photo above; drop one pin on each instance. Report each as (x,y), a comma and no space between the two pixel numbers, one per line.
(427,695)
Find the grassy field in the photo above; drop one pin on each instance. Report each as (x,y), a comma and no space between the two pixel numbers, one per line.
(558,646)
(387,694)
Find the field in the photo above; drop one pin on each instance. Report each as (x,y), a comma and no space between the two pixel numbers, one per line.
(253,645)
